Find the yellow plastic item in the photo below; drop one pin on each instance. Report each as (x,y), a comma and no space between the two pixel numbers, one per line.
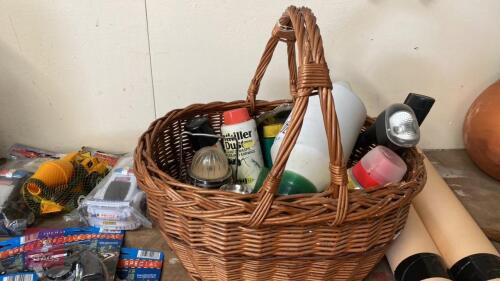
(72,156)
(92,165)
(56,184)
(53,173)
(47,207)
(272,130)
(77,156)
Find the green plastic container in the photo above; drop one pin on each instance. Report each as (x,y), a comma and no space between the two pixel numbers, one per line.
(291,183)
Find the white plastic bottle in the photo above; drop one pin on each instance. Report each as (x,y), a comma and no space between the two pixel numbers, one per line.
(309,158)
(239,125)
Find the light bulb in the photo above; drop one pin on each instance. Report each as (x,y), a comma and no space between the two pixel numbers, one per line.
(210,168)
(402,126)
(396,127)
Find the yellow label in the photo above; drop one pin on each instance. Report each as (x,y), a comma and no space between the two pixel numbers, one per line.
(271,131)
(47,207)
(248,144)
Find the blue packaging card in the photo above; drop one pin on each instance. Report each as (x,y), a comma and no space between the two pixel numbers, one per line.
(41,249)
(139,264)
(22,276)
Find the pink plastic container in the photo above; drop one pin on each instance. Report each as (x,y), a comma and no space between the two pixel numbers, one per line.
(379,167)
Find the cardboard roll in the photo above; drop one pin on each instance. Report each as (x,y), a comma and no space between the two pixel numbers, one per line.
(464,247)
(413,255)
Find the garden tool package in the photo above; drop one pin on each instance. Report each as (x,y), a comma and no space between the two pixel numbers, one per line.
(15,216)
(67,254)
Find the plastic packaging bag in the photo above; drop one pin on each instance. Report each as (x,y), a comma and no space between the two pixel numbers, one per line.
(15,216)
(61,254)
(21,162)
(21,151)
(57,184)
(110,159)
(139,265)
(116,203)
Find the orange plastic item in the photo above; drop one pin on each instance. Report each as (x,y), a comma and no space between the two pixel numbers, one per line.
(52,173)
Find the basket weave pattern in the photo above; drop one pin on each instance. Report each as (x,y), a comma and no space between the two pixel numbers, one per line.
(333,235)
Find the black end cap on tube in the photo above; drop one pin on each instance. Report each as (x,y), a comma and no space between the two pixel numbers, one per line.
(477,267)
(420,104)
(421,266)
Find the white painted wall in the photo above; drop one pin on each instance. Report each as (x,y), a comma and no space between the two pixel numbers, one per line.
(448,49)
(77,72)
(74,73)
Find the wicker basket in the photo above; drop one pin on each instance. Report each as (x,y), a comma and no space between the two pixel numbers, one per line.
(334,235)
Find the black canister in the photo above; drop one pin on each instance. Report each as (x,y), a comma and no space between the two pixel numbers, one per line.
(200,125)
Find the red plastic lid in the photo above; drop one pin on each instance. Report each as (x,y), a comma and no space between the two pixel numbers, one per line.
(363,177)
(236,116)
(379,167)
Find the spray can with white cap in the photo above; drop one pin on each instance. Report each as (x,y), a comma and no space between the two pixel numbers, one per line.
(242,146)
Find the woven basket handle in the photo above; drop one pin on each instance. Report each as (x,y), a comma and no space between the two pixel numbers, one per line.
(281,32)
(299,25)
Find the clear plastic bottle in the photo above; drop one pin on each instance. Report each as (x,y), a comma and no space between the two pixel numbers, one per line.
(308,163)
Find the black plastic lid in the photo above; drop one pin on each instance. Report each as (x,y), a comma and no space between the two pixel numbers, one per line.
(421,266)
(420,104)
(477,267)
(200,125)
